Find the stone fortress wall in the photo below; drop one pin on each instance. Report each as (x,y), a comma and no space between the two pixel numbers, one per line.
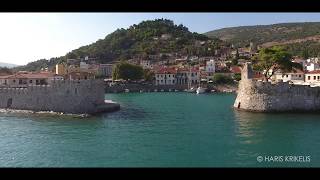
(77,97)
(267,97)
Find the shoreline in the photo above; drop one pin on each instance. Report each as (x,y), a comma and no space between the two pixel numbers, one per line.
(222,88)
(44,113)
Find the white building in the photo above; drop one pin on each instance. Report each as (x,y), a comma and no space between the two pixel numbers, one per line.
(55,77)
(210,67)
(312,77)
(296,77)
(310,66)
(84,65)
(166,76)
(185,76)
(146,64)
(105,69)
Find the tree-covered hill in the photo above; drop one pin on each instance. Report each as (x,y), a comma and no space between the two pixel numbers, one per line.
(139,40)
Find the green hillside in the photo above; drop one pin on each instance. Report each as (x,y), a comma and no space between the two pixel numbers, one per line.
(146,38)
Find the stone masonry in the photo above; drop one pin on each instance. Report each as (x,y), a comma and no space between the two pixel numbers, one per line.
(77,97)
(266,97)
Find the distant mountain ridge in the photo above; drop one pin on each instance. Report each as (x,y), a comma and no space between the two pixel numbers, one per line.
(301,38)
(260,34)
(8,65)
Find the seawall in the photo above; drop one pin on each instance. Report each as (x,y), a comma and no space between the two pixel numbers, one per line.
(266,97)
(76,97)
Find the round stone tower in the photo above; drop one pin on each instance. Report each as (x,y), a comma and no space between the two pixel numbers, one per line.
(246,72)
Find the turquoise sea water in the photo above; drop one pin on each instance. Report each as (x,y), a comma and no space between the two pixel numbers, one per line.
(161,130)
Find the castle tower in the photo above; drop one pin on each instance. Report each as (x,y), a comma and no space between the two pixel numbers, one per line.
(246,72)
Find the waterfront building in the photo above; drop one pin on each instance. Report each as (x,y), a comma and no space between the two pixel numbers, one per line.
(165,76)
(25,79)
(186,75)
(105,69)
(84,65)
(312,77)
(55,77)
(80,75)
(210,67)
(296,76)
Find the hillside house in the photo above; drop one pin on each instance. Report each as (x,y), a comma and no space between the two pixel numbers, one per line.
(165,76)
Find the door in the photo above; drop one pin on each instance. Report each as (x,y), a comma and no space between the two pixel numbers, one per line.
(9,103)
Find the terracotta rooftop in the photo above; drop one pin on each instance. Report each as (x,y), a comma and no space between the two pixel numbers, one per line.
(28,76)
(313,72)
(235,69)
(166,70)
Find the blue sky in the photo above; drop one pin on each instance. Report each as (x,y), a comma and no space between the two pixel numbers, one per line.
(27,37)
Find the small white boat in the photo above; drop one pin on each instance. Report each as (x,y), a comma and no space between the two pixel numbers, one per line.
(156,90)
(176,90)
(141,91)
(201,90)
(162,90)
(126,90)
(191,90)
(169,90)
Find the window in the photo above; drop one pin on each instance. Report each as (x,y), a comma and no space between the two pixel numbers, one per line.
(169,75)
(318,77)
(308,77)
(314,77)
(20,81)
(30,81)
(14,81)
(287,75)
(299,75)
(172,81)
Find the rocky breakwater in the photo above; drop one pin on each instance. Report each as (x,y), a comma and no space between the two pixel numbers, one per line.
(279,97)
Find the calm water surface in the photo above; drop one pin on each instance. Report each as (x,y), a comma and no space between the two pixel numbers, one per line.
(160,130)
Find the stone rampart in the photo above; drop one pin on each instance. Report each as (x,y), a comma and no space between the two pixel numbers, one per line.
(267,97)
(78,97)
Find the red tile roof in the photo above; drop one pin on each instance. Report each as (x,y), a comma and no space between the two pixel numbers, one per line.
(235,69)
(313,72)
(185,69)
(166,70)
(28,76)
(258,75)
